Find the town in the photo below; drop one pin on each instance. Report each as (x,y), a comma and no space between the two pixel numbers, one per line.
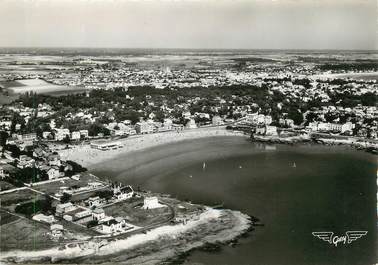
(58,202)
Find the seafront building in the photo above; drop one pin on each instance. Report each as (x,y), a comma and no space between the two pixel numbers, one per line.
(103,146)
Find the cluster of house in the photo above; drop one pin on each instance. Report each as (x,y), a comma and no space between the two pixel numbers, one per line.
(93,211)
(61,134)
(109,224)
(50,162)
(120,193)
(22,140)
(56,230)
(158,76)
(80,215)
(42,158)
(260,123)
(258,119)
(150,126)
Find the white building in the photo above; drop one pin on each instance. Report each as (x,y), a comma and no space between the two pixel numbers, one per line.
(123,193)
(322,126)
(167,125)
(152,203)
(270,130)
(84,134)
(348,126)
(106,145)
(61,134)
(191,124)
(114,225)
(268,119)
(56,230)
(25,161)
(94,201)
(186,115)
(251,118)
(75,135)
(144,127)
(44,218)
(98,214)
(83,214)
(65,208)
(216,121)
(54,160)
(46,134)
(53,173)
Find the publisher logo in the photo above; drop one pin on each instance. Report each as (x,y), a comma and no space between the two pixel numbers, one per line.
(337,240)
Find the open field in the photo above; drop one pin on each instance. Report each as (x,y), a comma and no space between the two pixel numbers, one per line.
(38,86)
(5,185)
(137,215)
(23,234)
(358,76)
(6,218)
(53,187)
(6,96)
(20,196)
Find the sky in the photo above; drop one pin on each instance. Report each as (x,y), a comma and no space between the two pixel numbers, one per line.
(207,24)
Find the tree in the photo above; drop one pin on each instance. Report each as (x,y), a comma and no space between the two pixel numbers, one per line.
(65,198)
(30,174)
(76,168)
(3,140)
(92,223)
(105,194)
(34,207)
(66,139)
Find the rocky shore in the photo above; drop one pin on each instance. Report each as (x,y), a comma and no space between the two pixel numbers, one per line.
(360,145)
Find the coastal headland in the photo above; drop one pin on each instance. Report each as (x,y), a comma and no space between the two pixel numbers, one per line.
(212,226)
(172,232)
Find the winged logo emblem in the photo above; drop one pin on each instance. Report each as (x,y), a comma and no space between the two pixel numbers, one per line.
(354,235)
(348,238)
(325,236)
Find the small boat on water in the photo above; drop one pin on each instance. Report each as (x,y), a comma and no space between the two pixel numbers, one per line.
(294,165)
(203,165)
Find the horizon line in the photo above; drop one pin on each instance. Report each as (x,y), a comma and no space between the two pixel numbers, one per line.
(184,48)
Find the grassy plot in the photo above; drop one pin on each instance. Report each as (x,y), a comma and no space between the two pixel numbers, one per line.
(24,234)
(10,200)
(53,187)
(132,211)
(6,218)
(5,185)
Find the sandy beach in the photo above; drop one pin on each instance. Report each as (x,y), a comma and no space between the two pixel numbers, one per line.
(88,157)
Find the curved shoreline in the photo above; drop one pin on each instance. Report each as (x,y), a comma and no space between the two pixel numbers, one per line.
(88,157)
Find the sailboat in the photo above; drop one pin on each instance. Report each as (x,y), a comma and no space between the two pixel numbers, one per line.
(294,165)
(203,165)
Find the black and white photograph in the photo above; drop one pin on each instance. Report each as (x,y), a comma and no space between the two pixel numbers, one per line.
(189,132)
